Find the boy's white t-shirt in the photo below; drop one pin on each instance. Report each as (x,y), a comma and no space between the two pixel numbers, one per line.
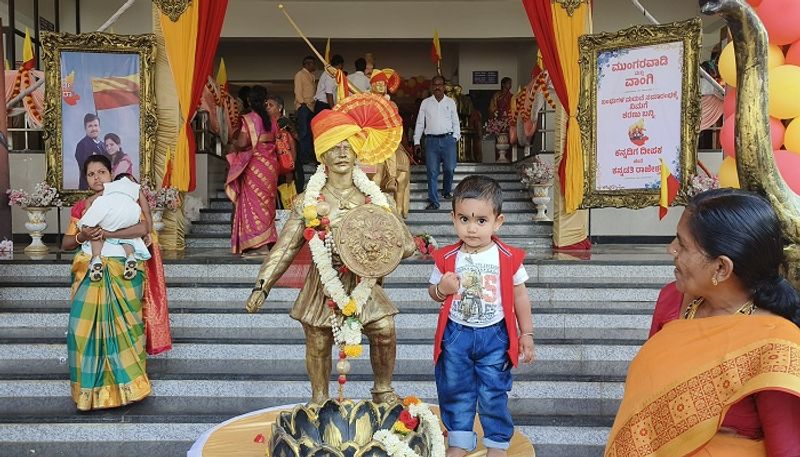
(478,302)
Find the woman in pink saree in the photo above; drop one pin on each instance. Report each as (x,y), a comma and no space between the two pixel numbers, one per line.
(253,179)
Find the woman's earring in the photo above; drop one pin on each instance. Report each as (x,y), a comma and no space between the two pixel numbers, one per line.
(714,281)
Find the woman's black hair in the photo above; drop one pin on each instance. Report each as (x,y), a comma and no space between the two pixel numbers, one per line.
(257,98)
(99,159)
(743,226)
(116,158)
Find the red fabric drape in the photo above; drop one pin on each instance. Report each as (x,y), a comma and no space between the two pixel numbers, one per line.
(209,27)
(540,16)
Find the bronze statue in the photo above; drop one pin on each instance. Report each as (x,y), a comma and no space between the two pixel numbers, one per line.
(754,160)
(336,138)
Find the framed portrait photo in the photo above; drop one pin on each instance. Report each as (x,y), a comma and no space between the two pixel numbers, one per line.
(100,100)
(639,108)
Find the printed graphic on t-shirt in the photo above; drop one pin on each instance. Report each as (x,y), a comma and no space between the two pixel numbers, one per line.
(477,301)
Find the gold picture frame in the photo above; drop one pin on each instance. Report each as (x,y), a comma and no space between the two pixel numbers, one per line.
(83,72)
(683,35)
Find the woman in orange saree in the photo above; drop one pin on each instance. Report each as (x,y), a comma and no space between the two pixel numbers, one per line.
(252,180)
(722,376)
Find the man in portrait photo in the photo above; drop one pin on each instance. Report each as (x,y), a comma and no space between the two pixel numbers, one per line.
(89,145)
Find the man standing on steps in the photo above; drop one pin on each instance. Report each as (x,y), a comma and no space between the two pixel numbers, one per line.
(305,86)
(438,120)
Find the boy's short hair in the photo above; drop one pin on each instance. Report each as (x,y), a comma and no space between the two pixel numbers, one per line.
(482,188)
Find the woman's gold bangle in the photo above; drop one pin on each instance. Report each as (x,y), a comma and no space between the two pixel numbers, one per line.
(77,240)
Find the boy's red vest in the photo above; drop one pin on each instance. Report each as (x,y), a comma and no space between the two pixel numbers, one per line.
(510,260)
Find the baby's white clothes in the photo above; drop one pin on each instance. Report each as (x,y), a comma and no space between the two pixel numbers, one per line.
(116,209)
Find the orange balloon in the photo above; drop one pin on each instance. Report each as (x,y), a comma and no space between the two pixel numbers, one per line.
(784,92)
(728,176)
(727,62)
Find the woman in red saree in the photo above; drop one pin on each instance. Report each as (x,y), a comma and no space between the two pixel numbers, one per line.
(720,375)
(252,181)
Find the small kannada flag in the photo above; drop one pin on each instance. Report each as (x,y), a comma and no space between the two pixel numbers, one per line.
(222,76)
(115,91)
(669,190)
(28,59)
(342,86)
(328,51)
(436,48)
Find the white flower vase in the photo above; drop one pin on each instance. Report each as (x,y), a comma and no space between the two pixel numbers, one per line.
(158,218)
(540,196)
(36,225)
(502,146)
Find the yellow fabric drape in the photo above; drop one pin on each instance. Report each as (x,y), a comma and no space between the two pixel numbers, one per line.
(568,29)
(168,112)
(181,39)
(568,228)
(686,377)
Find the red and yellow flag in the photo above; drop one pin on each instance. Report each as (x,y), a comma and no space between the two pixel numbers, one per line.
(669,190)
(222,76)
(115,91)
(28,59)
(436,48)
(342,86)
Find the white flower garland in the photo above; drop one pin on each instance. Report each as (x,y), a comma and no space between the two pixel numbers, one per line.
(347,330)
(428,427)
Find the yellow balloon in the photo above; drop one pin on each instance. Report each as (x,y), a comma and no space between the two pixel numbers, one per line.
(784,92)
(727,62)
(792,137)
(728,176)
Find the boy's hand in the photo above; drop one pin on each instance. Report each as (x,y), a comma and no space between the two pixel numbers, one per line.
(526,348)
(449,284)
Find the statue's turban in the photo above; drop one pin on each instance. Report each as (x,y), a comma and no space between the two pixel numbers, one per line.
(370,123)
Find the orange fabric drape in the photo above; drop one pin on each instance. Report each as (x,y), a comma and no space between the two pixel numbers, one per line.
(180,38)
(686,377)
(568,28)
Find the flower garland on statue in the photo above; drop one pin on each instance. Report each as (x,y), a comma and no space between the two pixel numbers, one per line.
(416,417)
(347,328)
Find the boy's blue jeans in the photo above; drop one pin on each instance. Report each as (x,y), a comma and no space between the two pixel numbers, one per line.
(474,370)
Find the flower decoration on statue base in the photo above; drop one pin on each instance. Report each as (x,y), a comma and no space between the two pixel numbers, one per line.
(43,195)
(6,249)
(536,172)
(345,323)
(416,417)
(426,245)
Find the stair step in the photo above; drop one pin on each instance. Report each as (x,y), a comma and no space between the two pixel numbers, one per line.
(188,397)
(242,326)
(247,359)
(242,268)
(419,216)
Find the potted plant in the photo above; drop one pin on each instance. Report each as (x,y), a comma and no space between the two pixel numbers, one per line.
(36,204)
(537,177)
(497,127)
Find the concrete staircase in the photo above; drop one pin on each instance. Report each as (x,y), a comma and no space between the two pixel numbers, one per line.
(590,318)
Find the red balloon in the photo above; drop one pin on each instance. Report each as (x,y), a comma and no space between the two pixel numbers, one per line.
(789,165)
(793,54)
(780,18)
(729,106)
(777,131)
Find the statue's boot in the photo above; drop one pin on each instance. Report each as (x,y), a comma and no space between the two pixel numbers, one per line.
(383,351)
(319,342)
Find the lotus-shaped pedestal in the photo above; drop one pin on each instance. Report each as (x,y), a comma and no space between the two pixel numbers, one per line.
(338,430)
